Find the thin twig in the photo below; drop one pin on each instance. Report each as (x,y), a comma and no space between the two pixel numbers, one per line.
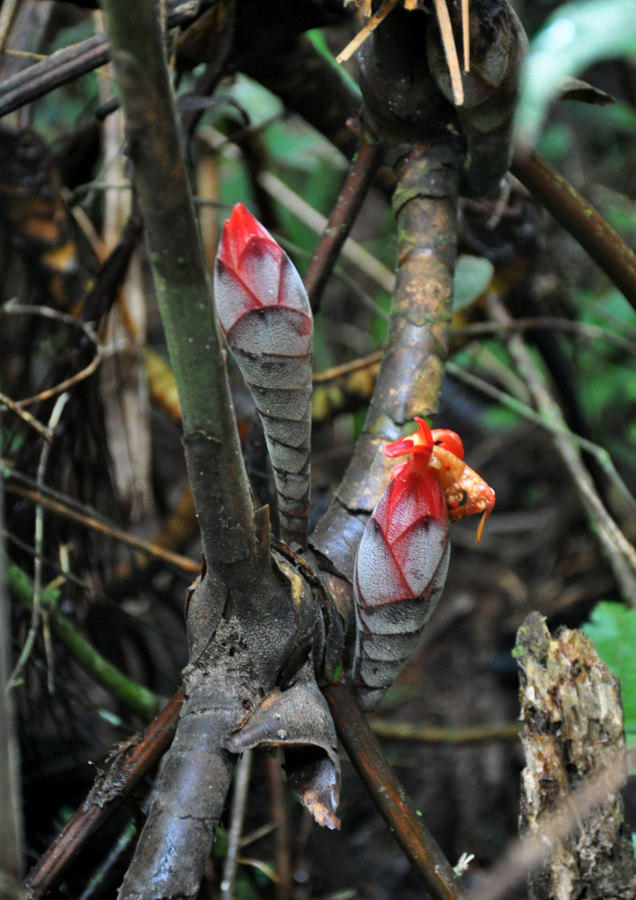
(585,330)
(389,795)
(366,362)
(6,19)
(64,385)
(366,31)
(64,318)
(343,215)
(351,250)
(466,33)
(450,51)
(26,417)
(36,609)
(237,816)
(439,734)
(620,554)
(99,524)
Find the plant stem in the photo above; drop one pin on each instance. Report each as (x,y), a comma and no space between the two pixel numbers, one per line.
(126,768)
(389,795)
(134,696)
(576,215)
(217,474)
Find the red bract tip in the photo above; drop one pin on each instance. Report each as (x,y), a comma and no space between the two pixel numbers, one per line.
(239,231)
(420,442)
(253,273)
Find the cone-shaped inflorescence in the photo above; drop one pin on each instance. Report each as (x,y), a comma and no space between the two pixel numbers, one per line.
(403,555)
(400,568)
(265,315)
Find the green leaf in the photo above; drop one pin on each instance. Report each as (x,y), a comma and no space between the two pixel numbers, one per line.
(612,627)
(472,276)
(575,36)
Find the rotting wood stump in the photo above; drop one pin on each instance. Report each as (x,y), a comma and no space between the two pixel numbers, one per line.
(574,744)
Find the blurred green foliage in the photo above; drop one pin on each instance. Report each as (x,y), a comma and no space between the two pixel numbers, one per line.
(575,36)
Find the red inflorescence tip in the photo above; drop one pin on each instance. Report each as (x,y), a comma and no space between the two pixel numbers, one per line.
(420,442)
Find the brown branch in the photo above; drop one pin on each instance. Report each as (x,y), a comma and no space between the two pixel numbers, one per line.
(102,527)
(68,64)
(580,219)
(127,767)
(403,819)
(343,215)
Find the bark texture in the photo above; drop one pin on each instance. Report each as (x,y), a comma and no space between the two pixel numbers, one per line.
(574,744)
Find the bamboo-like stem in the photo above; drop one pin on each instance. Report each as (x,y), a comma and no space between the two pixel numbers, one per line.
(126,769)
(219,482)
(410,377)
(11,825)
(366,754)
(580,219)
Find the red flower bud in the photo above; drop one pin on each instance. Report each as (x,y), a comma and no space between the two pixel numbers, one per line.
(400,568)
(403,555)
(264,312)
(252,273)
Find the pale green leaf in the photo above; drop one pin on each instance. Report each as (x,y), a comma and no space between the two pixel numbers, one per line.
(575,36)
(472,276)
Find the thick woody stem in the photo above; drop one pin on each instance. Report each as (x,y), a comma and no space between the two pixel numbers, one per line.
(411,373)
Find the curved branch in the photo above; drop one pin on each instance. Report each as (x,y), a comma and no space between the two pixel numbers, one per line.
(580,219)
